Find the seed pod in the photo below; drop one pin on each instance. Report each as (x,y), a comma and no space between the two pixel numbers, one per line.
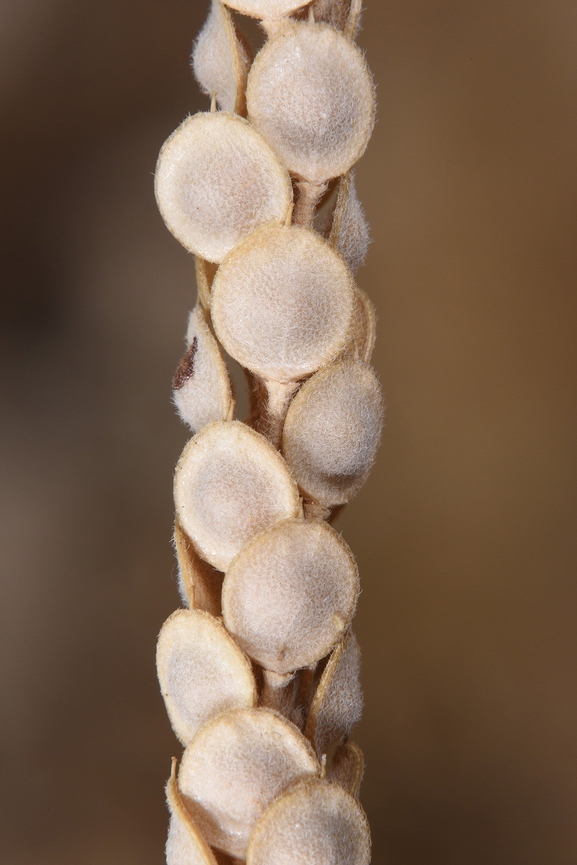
(338,701)
(342,14)
(332,431)
(221,60)
(315,822)
(201,670)
(235,766)
(346,227)
(199,584)
(185,844)
(282,303)
(217,180)
(201,386)
(269,10)
(231,484)
(290,594)
(346,767)
(311,95)
(363,330)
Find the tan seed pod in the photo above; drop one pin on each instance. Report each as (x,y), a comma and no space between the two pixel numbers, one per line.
(311,95)
(221,60)
(269,10)
(201,670)
(216,181)
(290,593)
(363,331)
(347,227)
(200,585)
(346,767)
(345,15)
(282,303)
(231,484)
(338,701)
(316,823)
(201,387)
(185,844)
(235,766)
(332,431)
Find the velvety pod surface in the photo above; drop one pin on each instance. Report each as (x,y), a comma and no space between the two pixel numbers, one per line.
(315,823)
(311,95)
(235,766)
(289,594)
(282,303)
(220,60)
(216,181)
(266,9)
(231,484)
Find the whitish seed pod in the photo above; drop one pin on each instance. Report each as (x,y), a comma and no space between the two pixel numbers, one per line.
(363,330)
(290,593)
(337,705)
(346,227)
(346,767)
(311,95)
(216,181)
(235,766)
(185,844)
(200,585)
(317,823)
(201,386)
(332,431)
(269,10)
(221,60)
(282,303)
(342,14)
(201,670)
(231,484)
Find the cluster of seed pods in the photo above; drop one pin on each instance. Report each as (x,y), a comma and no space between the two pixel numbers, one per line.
(260,669)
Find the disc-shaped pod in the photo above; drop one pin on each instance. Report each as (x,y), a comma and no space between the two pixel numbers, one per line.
(221,59)
(290,593)
(282,303)
(311,95)
(235,766)
(217,180)
(346,767)
(231,484)
(185,844)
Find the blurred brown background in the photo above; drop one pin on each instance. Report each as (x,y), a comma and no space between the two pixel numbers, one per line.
(465,533)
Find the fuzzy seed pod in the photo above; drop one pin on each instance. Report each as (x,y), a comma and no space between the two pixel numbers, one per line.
(314,823)
(290,593)
(332,431)
(269,10)
(282,303)
(185,844)
(201,670)
(231,484)
(216,181)
(221,60)
(338,701)
(363,330)
(346,767)
(201,386)
(311,95)
(346,227)
(235,766)
(199,584)
(342,14)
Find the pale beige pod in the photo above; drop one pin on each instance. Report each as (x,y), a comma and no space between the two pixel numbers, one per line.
(199,584)
(363,331)
(230,484)
(332,431)
(311,95)
(316,823)
(221,60)
(201,387)
(269,10)
(282,303)
(346,767)
(185,844)
(346,227)
(337,705)
(235,766)
(290,593)
(217,180)
(201,671)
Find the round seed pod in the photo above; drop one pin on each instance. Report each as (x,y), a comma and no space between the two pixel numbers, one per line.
(201,670)
(363,330)
(201,385)
(338,701)
(311,95)
(282,303)
(220,60)
(231,484)
(216,181)
(269,10)
(290,593)
(346,767)
(317,823)
(332,431)
(185,844)
(235,766)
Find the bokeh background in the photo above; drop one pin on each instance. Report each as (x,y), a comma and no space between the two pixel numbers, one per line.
(465,533)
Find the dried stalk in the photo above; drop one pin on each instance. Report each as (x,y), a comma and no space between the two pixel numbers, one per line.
(260,671)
